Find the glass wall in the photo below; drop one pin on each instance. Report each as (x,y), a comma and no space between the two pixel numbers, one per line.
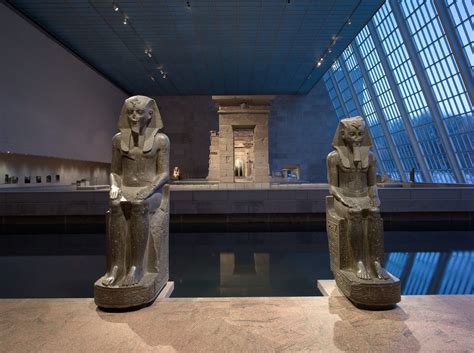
(385,109)
(368,111)
(462,15)
(414,102)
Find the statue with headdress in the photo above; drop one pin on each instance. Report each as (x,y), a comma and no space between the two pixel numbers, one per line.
(354,225)
(138,218)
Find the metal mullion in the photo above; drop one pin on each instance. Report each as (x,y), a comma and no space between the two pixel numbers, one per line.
(456,47)
(400,104)
(355,99)
(427,91)
(338,93)
(379,113)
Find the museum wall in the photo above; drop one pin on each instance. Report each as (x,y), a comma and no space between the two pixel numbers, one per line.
(301,128)
(188,121)
(300,132)
(53,104)
(70,171)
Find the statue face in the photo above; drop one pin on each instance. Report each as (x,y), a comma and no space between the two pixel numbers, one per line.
(139,115)
(353,134)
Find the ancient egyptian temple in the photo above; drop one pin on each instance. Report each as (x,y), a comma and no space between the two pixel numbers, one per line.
(236,176)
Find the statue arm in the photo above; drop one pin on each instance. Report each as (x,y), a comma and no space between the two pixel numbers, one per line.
(162,162)
(162,167)
(333,180)
(372,181)
(115,168)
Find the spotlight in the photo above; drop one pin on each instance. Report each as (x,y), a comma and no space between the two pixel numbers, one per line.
(125,20)
(116,8)
(349,22)
(152,78)
(164,75)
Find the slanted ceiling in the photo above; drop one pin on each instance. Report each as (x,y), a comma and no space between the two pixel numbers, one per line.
(203,47)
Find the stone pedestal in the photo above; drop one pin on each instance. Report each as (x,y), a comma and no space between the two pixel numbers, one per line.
(248,113)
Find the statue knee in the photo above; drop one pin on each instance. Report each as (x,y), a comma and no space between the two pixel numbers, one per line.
(374,211)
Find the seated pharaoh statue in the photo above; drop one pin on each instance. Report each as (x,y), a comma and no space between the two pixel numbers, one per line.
(138,218)
(354,225)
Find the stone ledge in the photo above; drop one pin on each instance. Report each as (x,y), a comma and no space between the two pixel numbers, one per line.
(418,323)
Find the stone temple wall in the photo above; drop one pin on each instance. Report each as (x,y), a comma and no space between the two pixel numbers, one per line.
(300,131)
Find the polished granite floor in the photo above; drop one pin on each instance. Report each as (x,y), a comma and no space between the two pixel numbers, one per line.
(282,324)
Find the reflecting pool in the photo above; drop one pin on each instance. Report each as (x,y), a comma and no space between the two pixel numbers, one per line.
(234,264)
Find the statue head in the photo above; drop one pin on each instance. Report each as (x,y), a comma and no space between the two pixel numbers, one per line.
(352,132)
(352,137)
(139,114)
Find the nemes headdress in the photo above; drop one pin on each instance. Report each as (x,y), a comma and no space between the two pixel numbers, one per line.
(344,152)
(153,125)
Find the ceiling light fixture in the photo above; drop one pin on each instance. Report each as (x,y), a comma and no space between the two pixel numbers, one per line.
(152,78)
(349,22)
(125,20)
(116,8)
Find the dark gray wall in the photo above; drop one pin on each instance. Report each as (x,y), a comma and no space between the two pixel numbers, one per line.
(300,132)
(52,104)
(187,121)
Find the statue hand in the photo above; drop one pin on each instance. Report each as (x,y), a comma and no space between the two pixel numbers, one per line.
(114,192)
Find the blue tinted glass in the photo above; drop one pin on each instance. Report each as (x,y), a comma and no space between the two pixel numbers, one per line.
(365,101)
(443,74)
(333,95)
(387,101)
(412,96)
(462,15)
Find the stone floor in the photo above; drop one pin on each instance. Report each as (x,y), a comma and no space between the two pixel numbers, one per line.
(311,324)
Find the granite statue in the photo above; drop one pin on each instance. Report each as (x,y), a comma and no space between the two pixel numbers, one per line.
(138,218)
(354,225)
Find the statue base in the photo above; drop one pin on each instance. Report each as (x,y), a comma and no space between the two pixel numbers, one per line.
(374,294)
(140,295)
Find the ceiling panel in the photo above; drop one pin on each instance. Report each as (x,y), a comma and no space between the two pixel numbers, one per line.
(211,47)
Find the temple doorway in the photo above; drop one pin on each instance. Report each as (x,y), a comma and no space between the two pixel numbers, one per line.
(243,154)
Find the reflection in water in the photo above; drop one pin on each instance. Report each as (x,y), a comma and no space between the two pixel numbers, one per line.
(235,264)
(458,276)
(433,272)
(244,274)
